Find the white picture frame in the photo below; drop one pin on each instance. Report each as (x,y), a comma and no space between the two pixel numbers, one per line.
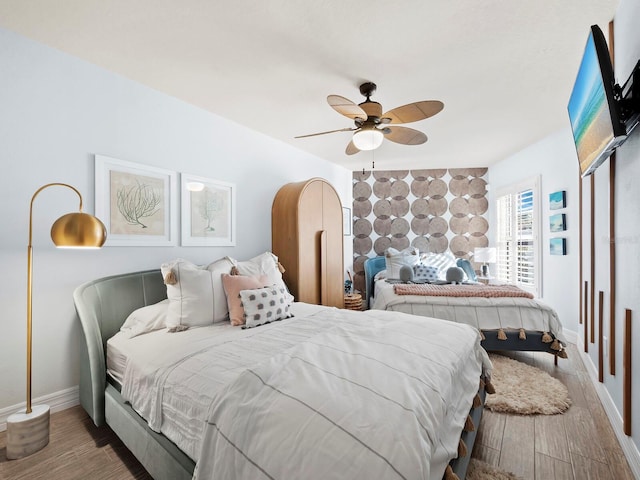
(208,211)
(137,203)
(346,221)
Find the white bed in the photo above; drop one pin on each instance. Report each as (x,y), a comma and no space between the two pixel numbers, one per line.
(359,394)
(506,323)
(388,398)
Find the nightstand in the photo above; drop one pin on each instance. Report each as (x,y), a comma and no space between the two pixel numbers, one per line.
(489,280)
(353,301)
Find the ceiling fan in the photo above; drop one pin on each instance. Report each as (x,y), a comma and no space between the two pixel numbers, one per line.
(369,120)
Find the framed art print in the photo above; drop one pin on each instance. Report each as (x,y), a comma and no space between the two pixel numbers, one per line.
(558,246)
(208,212)
(558,200)
(557,222)
(136,202)
(346,221)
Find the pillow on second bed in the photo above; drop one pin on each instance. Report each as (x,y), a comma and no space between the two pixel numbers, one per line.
(395,259)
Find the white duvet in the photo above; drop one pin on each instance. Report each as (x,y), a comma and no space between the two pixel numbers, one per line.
(511,313)
(327,394)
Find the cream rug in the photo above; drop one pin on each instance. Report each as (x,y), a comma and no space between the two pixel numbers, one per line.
(479,470)
(525,390)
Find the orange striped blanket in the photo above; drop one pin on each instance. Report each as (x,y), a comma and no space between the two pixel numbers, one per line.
(487,291)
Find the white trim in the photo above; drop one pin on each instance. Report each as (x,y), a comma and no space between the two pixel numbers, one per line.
(628,445)
(533,184)
(570,335)
(58,401)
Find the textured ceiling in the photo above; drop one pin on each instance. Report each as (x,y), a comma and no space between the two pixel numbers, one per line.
(504,69)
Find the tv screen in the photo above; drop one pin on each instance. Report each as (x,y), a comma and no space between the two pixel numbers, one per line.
(593,110)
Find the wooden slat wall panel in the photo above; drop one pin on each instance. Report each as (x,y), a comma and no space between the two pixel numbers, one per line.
(626,397)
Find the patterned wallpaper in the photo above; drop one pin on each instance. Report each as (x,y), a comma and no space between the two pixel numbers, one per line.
(435,210)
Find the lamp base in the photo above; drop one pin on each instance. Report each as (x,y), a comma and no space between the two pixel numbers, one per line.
(27,433)
(485,270)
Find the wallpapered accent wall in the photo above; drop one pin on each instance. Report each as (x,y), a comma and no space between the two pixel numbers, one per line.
(435,210)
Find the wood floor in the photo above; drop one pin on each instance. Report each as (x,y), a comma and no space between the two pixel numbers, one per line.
(579,445)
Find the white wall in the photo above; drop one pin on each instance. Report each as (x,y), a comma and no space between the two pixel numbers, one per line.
(627,214)
(554,160)
(56,113)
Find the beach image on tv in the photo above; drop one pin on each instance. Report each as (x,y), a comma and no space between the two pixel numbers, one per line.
(589,111)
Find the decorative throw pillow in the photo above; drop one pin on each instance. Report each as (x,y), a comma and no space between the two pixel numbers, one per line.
(264,264)
(233,284)
(465,265)
(425,273)
(455,275)
(442,261)
(394,259)
(264,305)
(195,293)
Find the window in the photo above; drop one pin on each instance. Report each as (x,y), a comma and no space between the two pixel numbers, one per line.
(518,245)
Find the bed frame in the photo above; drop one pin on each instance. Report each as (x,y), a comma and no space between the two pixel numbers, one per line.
(533,342)
(102,306)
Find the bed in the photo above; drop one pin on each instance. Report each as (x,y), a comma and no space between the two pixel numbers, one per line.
(506,323)
(208,390)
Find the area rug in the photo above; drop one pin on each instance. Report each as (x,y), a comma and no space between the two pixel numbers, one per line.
(479,470)
(524,389)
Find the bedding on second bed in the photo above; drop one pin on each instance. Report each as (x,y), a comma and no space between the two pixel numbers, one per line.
(509,313)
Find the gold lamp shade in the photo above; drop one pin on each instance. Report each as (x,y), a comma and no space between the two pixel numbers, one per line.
(78,230)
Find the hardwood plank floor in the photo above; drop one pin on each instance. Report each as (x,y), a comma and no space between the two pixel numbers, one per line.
(578,445)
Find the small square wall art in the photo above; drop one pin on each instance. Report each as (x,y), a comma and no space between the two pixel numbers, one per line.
(558,222)
(558,246)
(557,200)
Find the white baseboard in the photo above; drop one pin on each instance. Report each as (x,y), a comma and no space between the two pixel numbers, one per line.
(628,445)
(570,335)
(57,401)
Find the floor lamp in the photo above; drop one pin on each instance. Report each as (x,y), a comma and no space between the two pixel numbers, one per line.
(28,430)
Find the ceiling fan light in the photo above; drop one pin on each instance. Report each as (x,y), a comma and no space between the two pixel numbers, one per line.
(368,139)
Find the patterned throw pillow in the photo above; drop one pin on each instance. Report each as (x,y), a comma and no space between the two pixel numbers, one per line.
(264,305)
(425,273)
(442,261)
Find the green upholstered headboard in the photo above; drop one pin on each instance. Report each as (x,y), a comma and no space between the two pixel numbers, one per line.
(102,306)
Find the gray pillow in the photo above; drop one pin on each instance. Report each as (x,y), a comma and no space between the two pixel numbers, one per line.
(455,274)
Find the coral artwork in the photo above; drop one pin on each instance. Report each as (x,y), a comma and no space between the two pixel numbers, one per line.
(139,204)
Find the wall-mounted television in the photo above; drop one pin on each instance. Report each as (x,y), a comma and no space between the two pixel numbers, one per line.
(594,110)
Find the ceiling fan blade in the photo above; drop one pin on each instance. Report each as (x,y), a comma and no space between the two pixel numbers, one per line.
(324,133)
(346,107)
(413,112)
(406,136)
(351,149)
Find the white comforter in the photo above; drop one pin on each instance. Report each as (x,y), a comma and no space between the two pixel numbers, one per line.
(338,394)
(511,313)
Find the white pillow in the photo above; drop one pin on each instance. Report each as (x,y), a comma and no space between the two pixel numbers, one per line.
(197,297)
(264,264)
(146,319)
(264,305)
(441,261)
(395,259)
